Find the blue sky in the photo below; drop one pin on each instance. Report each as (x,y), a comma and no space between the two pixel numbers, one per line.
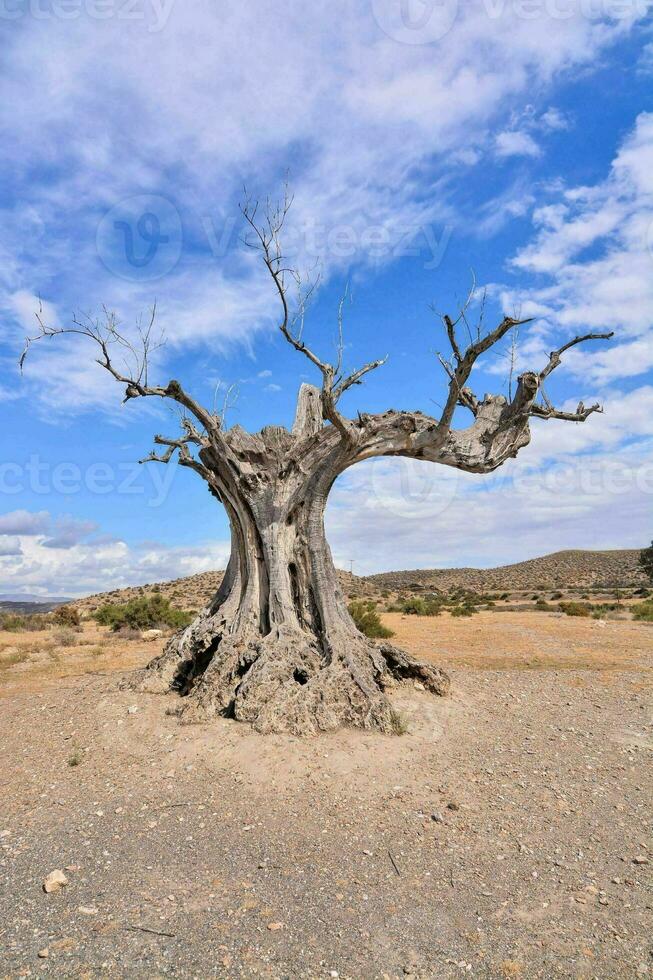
(421,140)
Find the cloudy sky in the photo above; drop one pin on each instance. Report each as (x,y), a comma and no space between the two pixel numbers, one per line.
(422,139)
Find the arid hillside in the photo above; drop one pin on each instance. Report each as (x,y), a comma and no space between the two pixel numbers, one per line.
(566,570)
(562,570)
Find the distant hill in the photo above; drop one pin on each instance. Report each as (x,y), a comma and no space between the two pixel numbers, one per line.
(561,570)
(32,599)
(27,607)
(566,570)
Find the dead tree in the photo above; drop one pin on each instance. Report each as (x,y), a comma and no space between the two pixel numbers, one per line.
(277,647)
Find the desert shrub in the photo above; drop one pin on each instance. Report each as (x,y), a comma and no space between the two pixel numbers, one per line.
(542,604)
(367,619)
(142,613)
(575,609)
(65,616)
(414,606)
(643,593)
(12,658)
(12,623)
(66,637)
(96,651)
(463,610)
(646,561)
(643,612)
(504,595)
(417,606)
(18,623)
(399,722)
(557,595)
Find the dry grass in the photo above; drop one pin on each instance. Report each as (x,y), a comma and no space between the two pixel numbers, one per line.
(28,664)
(522,641)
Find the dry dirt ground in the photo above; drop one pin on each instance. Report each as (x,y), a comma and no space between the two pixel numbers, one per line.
(506,835)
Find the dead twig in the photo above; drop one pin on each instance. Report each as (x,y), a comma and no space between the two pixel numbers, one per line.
(154,932)
(394,864)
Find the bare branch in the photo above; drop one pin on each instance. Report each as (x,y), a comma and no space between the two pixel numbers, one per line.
(459,374)
(555,358)
(106,335)
(266,239)
(580,415)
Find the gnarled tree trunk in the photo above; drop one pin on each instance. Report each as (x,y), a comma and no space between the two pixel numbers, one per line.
(277,646)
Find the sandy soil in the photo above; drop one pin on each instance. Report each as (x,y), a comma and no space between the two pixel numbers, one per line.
(506,835)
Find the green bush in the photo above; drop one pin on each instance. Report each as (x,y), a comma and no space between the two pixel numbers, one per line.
(12,623)
(414,607)
(646,561)
(643,612)
(142,613)
(29,623)
(417,606)
(367,620)
(463,611)
(575,609)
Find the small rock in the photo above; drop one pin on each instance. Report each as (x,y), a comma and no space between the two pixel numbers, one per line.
(87,910)
(43,953)
(54,881)
(419,686)
(452,806)
(640,859)
(274,926)
(437,817)
(150,635)
(132,709)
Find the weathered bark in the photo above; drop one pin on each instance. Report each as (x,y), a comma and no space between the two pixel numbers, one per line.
(277,646)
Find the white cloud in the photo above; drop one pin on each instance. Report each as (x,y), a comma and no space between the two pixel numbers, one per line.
(66,532)
(513,143)
(594,245)
(29,563)
(25,522)
(555,119)
(9,546)
(371,127)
